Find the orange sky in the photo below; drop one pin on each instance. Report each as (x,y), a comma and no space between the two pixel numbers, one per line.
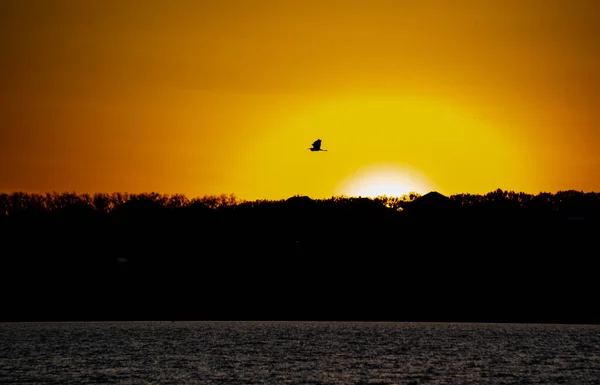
(210,97)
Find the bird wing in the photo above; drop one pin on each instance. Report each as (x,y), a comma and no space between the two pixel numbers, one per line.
(317,144)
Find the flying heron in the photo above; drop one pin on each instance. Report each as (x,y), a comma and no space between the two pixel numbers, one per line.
(316,146)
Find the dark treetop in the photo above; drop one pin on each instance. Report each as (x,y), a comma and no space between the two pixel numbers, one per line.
(502,256)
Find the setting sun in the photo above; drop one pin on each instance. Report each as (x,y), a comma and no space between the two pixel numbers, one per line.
(392,180)
(321,159)
(207,98)
(378,144)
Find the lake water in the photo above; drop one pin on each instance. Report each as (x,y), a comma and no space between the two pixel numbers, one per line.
(298,353)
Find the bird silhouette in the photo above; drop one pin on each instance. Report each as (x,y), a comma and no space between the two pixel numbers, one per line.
(316,146)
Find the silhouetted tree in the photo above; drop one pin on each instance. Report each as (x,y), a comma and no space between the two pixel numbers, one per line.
(314,251)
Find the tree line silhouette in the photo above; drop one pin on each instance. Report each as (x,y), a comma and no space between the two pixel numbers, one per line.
(67,206)
(500,256)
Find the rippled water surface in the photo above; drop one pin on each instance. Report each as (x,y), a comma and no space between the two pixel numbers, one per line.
(298,353)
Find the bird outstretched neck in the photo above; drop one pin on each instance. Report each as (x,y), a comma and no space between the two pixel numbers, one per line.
(316,146)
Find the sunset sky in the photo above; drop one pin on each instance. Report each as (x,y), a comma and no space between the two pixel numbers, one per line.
(226,96)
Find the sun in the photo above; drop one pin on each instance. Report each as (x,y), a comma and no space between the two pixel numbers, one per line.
(392,180)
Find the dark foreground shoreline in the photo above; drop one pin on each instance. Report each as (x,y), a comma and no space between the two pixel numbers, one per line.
(432,258)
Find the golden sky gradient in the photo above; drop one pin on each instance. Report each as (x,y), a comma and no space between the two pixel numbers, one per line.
(210,97)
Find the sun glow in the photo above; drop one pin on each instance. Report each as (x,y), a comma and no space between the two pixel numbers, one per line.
(392,180)
(378,144)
